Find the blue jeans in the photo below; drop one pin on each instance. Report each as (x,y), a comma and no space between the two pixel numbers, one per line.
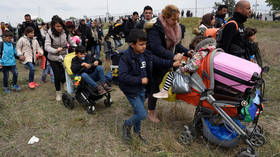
(95,48)
(46,71)
(31,68)
(97,75)
(5,70)
(140,113)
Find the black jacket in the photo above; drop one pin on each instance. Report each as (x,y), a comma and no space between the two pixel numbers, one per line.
(140,24)
(157,45)
(37,31)
(130,72)
(85,32)
(233,40)
(76,67)
(129,25)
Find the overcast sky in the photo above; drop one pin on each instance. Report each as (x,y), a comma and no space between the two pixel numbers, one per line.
(13,10)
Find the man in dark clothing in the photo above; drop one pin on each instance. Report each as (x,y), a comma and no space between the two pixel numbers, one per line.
(28,22)
(130,24)
(233,40)
(148,15)
(86,34)
(220,16)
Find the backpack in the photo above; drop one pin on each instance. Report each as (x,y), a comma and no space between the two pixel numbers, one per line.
(2,49)
(219,33)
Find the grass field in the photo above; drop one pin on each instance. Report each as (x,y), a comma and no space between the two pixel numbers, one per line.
(64,132)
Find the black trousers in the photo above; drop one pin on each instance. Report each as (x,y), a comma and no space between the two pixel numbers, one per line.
(59,74)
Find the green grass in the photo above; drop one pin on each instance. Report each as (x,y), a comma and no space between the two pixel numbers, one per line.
(64,132)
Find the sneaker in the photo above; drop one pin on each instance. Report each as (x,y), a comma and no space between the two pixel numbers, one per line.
(36,84)
(7,90)
(162,94)
(101,90)
(126,132)
(31,85)
(16,87)
(58,96)
(107,87)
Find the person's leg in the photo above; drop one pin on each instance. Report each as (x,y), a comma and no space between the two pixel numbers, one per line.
(51,72)
(120,42)
(87,78)
(163,93)
(98,74)
(116,43)
(5,70)
(151,100)
(93,51)
(15,74)
(62,72)
(135,119)
(56,72)
(44,74)
(31,71)
(98,51)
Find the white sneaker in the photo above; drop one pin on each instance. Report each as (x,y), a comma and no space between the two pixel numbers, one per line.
(162,94)
(58,95)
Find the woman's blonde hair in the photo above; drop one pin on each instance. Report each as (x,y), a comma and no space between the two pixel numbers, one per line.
(169,10)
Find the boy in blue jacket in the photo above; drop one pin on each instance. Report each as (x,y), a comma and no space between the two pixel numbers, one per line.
(8,61)
(135,71)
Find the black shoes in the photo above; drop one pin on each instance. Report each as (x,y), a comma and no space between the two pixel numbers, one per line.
(126,132)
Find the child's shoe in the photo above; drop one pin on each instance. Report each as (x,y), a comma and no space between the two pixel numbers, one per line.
(126,132)
(36,84)
(162,94)
(141,138)
(31,85)
(16,87)
(7,90)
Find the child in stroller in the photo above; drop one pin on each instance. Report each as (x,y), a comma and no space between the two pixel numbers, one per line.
(87,71)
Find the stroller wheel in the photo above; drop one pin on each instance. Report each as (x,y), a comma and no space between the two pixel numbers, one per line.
(68,101)
(246,152)
(90,109)
(257,139)
(186,136)
(259,129)
(107,102)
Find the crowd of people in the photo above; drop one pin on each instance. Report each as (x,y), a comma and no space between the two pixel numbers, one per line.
(154,47)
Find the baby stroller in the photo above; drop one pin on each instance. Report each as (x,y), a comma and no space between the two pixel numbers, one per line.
(223,99)
(80,90)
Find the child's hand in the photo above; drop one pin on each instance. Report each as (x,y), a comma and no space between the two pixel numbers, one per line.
(83,64)
(22,58)
(88,66)
(95,63)
(177,64)
(145,80)
(59,49)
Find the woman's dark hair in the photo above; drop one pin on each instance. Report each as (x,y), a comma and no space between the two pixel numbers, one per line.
(250,31)
(137,35)
(56,19)
(206,20)
(80,49)
(28,29)
(195,41)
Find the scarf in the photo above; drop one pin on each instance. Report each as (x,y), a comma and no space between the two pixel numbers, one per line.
(94,34)
(172,34)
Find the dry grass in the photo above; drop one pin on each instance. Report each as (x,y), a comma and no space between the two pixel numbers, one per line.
(64,132)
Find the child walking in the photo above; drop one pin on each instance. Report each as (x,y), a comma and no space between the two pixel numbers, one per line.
(135,70)
(27,48)
(108,48)
(8,61)
(252,46)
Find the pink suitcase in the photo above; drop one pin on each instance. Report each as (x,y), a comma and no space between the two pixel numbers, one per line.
(234,71)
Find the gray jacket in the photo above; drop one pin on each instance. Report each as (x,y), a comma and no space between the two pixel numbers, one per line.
(60,41)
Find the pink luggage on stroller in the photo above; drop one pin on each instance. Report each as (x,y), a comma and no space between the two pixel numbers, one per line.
(235,72)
